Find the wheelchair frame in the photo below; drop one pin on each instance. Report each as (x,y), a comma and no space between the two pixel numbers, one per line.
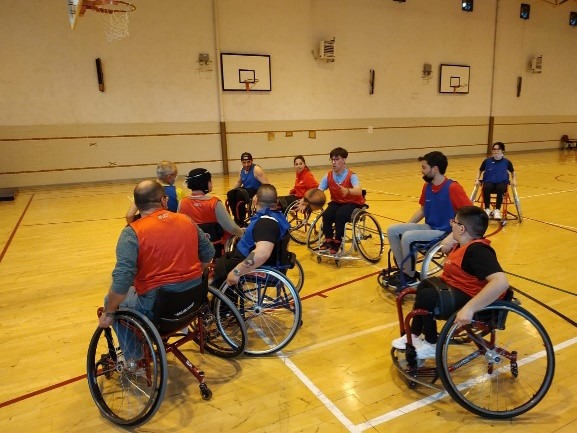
(362,227)
(492,370)
(432,262)
(270,306)
(246,202)
(129,392)
(477,197)
(300,222)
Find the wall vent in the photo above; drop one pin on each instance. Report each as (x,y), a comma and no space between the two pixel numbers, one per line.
(327,50)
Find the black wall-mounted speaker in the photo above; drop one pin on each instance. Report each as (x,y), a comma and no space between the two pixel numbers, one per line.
(99,74)
(573,19)
(525,11)
(467,5)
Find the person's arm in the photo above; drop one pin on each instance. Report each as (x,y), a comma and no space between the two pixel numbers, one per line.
(205,248)
(355,190)
(257,257)
(496,284)
(225,221)
(479,179)
(238,183)
(260,174)
(122,275)
(448,243)
(418,215)
(513,175)
(131,213)
(458,196)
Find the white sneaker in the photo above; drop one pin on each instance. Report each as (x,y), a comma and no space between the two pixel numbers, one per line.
(426,350)
(497,214)
(488,212)
(401,342)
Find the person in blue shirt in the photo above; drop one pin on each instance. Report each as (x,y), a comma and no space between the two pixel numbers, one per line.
(250,178)
(494,175)
(266,229)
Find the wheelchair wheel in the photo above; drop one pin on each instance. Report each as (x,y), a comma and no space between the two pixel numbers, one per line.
(499,371)
(517,203)
(126,369)
(368,236)
(432,262)
(224,330)
(300,222)
(296,275)
(270,307)
(315,237)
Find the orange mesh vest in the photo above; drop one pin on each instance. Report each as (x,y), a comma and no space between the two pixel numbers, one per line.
(336,195)
(456,277)
(201,211)
(167,250)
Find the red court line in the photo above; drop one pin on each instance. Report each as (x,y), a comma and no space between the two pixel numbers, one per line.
(41,391)
(15,230)
(77,378)
(322,292)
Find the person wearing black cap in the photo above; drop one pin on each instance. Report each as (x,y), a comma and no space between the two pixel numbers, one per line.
(208,211)
(251,176)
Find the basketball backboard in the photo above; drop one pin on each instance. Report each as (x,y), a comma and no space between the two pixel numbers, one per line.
(454,79)
(245,72)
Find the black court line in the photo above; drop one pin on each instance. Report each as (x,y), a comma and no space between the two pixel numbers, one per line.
(5,249)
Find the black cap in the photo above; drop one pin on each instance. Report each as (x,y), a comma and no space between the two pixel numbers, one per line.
(246,156)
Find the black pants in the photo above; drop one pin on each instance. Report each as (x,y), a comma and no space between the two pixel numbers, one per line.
(335,216)
(426,299)
(493,188)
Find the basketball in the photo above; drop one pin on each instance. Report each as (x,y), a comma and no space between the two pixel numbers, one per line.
(316,198)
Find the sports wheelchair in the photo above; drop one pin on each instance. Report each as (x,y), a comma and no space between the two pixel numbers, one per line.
(271,307)
(126,363)
(363,234)
(241,207)
(499,366)
(477,197)
(427,254)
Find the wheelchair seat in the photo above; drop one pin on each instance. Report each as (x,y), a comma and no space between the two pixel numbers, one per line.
(176,310)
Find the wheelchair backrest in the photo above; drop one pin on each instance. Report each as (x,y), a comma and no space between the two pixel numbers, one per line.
(215,234)
(175,310)
(281,258)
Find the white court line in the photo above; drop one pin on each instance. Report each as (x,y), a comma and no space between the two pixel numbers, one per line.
(548,193)
(381,419)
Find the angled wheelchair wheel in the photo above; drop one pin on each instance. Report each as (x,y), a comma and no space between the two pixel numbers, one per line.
(224,330)
(300,222)
(296,275)
(315,237)
(270,306)
(127,370)
(503,368)
(433,261)
(517,203)
(368,236)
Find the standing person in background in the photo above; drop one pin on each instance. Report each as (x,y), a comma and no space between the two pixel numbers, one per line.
(166,174)
(305,180)
(346,196)
(494,177)
(251,176)
(207,210)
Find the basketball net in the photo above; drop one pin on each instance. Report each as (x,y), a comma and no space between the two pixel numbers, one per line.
(114,14)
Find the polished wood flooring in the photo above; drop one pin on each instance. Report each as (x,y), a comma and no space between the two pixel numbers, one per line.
(336,375)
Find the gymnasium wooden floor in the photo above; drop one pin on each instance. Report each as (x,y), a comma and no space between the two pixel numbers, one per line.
(336,375)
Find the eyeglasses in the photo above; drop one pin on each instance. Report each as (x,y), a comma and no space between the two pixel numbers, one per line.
(453,221)
(338,158)
(496,149)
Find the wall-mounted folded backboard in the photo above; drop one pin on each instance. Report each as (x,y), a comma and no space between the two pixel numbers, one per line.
(454,79)
(245,72)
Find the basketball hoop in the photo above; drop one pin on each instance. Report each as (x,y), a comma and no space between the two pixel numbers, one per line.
(248,82)
(113,13)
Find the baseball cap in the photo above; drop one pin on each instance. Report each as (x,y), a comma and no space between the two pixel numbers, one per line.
(246,156)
